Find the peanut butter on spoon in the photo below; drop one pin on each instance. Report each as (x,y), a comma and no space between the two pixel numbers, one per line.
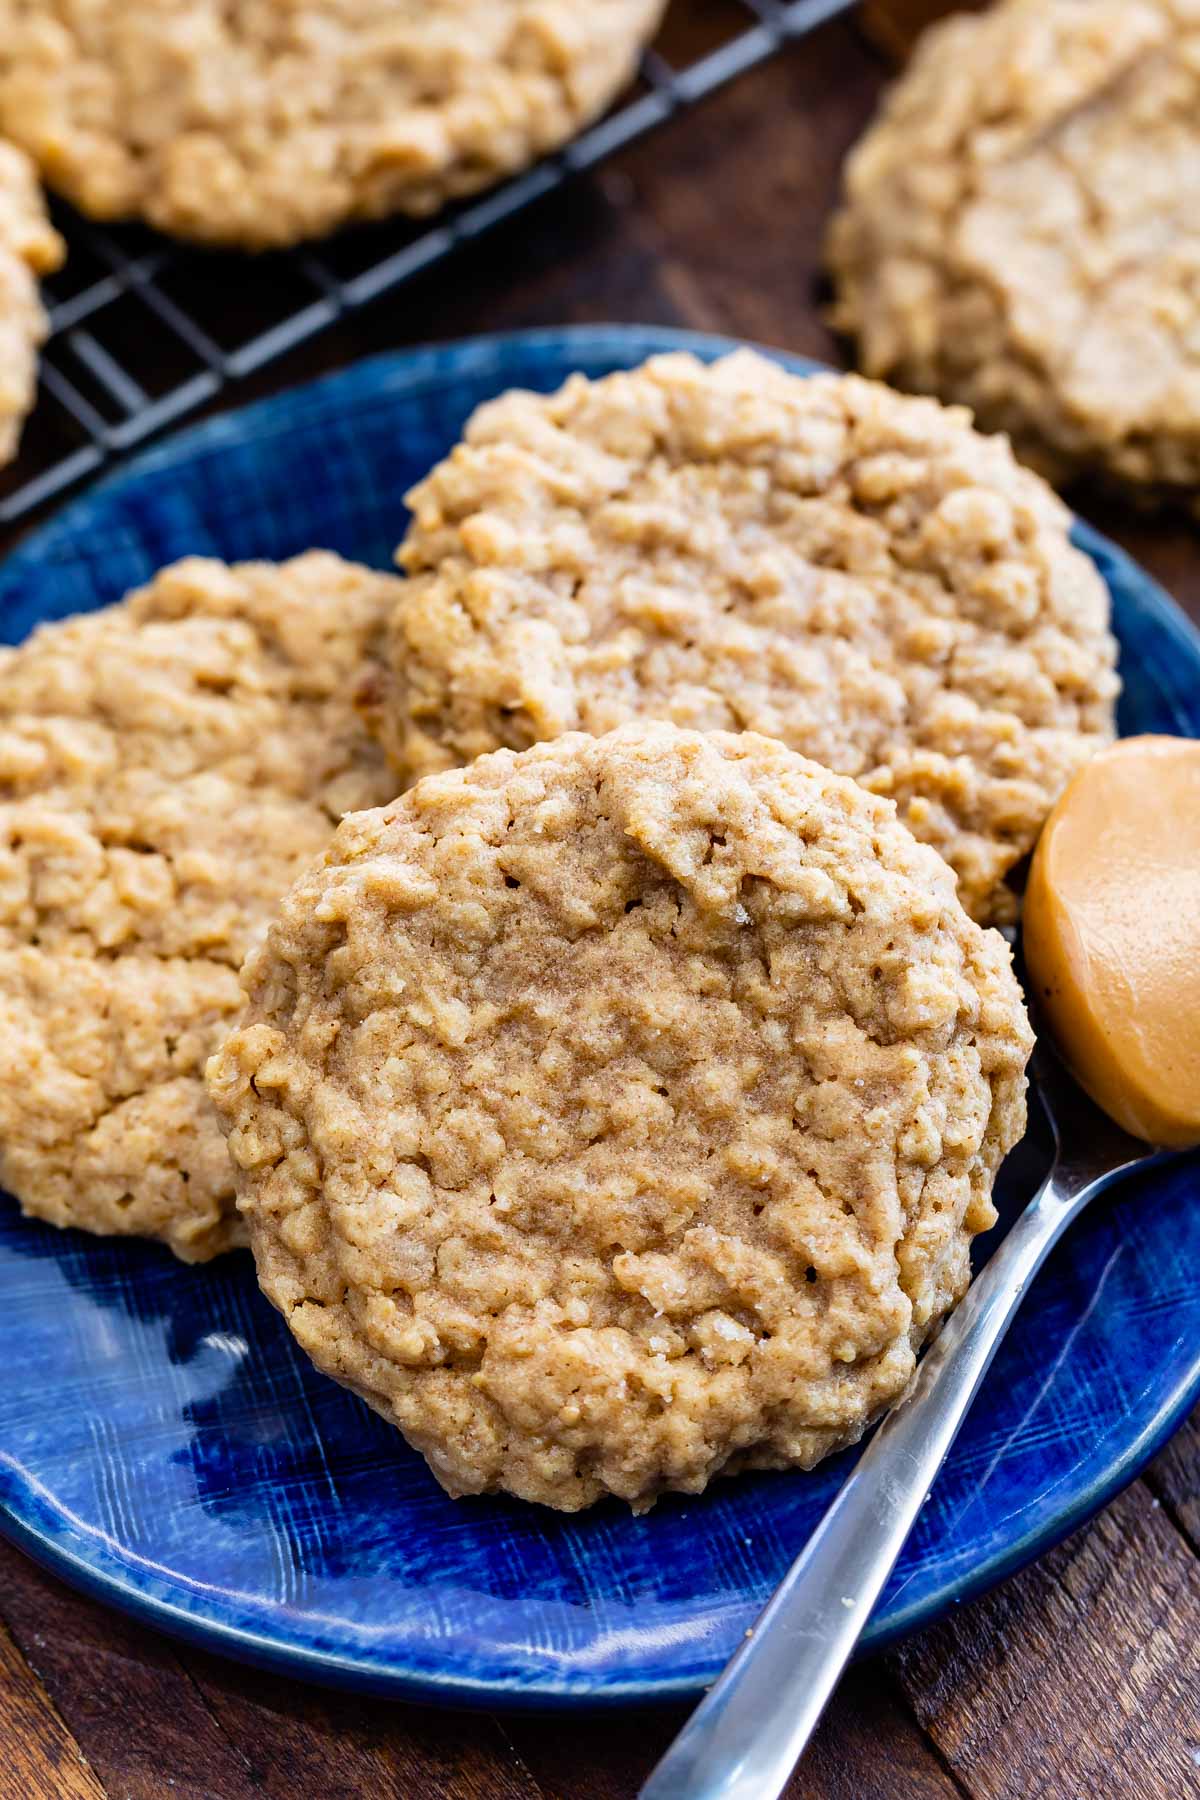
(1112,934)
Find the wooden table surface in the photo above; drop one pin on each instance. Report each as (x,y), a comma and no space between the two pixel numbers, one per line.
(1078,1677)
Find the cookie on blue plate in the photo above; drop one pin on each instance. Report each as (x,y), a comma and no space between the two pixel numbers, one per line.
(167,765)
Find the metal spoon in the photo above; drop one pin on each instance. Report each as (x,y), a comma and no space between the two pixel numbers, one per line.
(744,1739)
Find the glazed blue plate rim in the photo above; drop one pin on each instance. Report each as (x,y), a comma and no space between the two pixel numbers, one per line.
(471,1693)
(411,373)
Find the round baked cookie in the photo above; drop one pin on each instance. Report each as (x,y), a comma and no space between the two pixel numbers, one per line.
(619,1112)
(1021,231)
(271,121)
(167,765)
(734,547)
(29,247)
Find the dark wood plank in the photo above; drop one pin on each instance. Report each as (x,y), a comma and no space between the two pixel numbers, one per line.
(298,1739)
(1174,1480)
(1077,1678)
(121,1690)
(738,198)
(41,1759)
(607,1759)
(870,1747)
(157,1718)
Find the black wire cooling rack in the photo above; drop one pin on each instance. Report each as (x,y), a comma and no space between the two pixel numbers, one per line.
(143,332)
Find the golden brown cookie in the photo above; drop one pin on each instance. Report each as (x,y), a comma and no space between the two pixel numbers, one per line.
(29,247)
(1021,231)
(166,767)
(621,1112)
(859,574)
(267,122)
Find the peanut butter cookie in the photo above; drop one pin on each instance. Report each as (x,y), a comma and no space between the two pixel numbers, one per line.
(620,1112)
(29,247)
(857,573)
(265,123)
(167,766)
(1021,231)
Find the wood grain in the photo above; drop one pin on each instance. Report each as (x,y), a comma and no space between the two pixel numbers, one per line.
(148,1709)
(1080,1668)
(1174,1481)
(1077,1680)
(41,1759)
(607,1759)
(297,1739)
(122,1691)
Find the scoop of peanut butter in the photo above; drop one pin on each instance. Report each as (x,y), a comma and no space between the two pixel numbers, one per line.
(1112,934)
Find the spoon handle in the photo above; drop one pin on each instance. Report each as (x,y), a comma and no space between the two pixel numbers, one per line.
(745,1737)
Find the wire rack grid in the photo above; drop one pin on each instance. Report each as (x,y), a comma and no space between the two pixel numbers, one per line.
(136,323)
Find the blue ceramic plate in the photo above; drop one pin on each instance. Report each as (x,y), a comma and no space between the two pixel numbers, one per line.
(164,1444)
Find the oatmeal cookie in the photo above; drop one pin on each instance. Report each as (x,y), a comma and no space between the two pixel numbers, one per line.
(271,121)
(619,1112)
(733,547)
(1021,231)
(167,766)
(29,247)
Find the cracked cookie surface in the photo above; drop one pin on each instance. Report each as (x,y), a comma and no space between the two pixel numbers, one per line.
(167,765)
(852,571)
(620,1112)
(29,247)
(1021,232)
(272,121)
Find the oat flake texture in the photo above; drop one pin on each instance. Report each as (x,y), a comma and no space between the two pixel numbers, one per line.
(270,121)
(1021,231)
(619,1112)
(734,547)
(29,247)
(167,766)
